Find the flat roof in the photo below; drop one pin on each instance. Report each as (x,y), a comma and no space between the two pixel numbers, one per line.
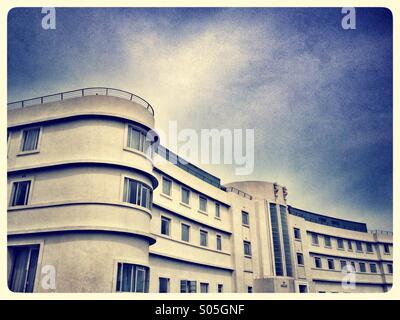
(328,221)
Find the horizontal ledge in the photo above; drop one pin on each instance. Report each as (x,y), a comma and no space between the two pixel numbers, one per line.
(78,203)
(155,204)
(163,255)
(148,237)
(347,257)
(191,245)
(153,178)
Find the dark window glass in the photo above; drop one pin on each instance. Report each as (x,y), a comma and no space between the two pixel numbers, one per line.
(297,234)
(20,193)
(23,267)
(203,238)
(276,240)
(318,263)
(203,287)
(165,225)
(185,195)
(331,264)
(30,138)
(219,242)
(286,241)
(163,285)
(245,218)
(132,278)
(300,259)
(185,232)
(247,248)
(203,203)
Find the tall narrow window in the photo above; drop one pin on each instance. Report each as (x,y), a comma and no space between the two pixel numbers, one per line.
(165,226)
(343,264)
(372,267)
(327,241)
(349,245)
(220,288)
(249,289)
(23,265)
(132,278)
(202,203)
(362,266)
(318,263)
(300,259)
(286,241)
(331,264)
(185,195)
(276,239)
(20,193)
(358,245)
(166,186)
(314,239)
(30,139)
(163,285)
(185,232)
(217,210)
(219,242)
(203,238)
(203,287)
(340,244)
(137,193)
(297,234)
(247,248)
(386,248)
(245,218)
(390,268)
(369,247)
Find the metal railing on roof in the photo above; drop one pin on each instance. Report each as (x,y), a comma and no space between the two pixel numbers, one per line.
(92,91)
(381,232)
(239,192)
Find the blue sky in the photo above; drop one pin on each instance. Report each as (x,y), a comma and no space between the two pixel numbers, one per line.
(318,97)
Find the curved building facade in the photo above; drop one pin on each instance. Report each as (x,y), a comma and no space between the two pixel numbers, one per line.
(90,210)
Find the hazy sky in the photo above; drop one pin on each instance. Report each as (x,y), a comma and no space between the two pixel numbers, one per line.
(318,97)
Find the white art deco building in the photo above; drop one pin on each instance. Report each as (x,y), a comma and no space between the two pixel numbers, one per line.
(90,207)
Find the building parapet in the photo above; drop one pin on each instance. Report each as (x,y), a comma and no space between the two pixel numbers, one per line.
(239,192)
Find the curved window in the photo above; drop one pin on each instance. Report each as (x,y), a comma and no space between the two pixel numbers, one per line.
(132,278)
(140,140)
(136,192)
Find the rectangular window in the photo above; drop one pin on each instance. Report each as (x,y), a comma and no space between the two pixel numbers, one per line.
(340,243)
(353,265)
(331,264)
(30,139)
(23,267)
(390,268)
(343,264)
(369,247)
(358,245)
(245,218)
(300,259)
(327,240)
(166,186)
(362,266)
(249,289)
(276,240)
(297,234)
(163,285)
(203,238)
(165,226)
(202,203)
(185,193)
(203,287)
(185,232)
(217,210)
(317,262)
(132,278)
(386,248)
(220,288)
(372,267)
(20,193)
(247,248)
(286,241)
(135,140)
(314,239)
(137,193)
(219,242)
(349,245)
(188,286)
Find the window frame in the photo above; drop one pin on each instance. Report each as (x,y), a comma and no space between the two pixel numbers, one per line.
(373,269)
(361,246)
(247,244)
(300,254)
(314,243)
(386,245)
(319,262)
(331,264)
(362,267)
(163,179)
(205,201)
(217,211)
(247,215)
(297,234)
(168,284)
(327,241)
(218,237)
(137,267)
(203,232)
(188,192)
(206,285)
(340,243)
(140,186)
(143,132)
(22,141)
(188,232)
(27,197)
(165,218)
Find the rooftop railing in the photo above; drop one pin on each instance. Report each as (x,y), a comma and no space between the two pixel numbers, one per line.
(381,232)
(93,91)
(239,192)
